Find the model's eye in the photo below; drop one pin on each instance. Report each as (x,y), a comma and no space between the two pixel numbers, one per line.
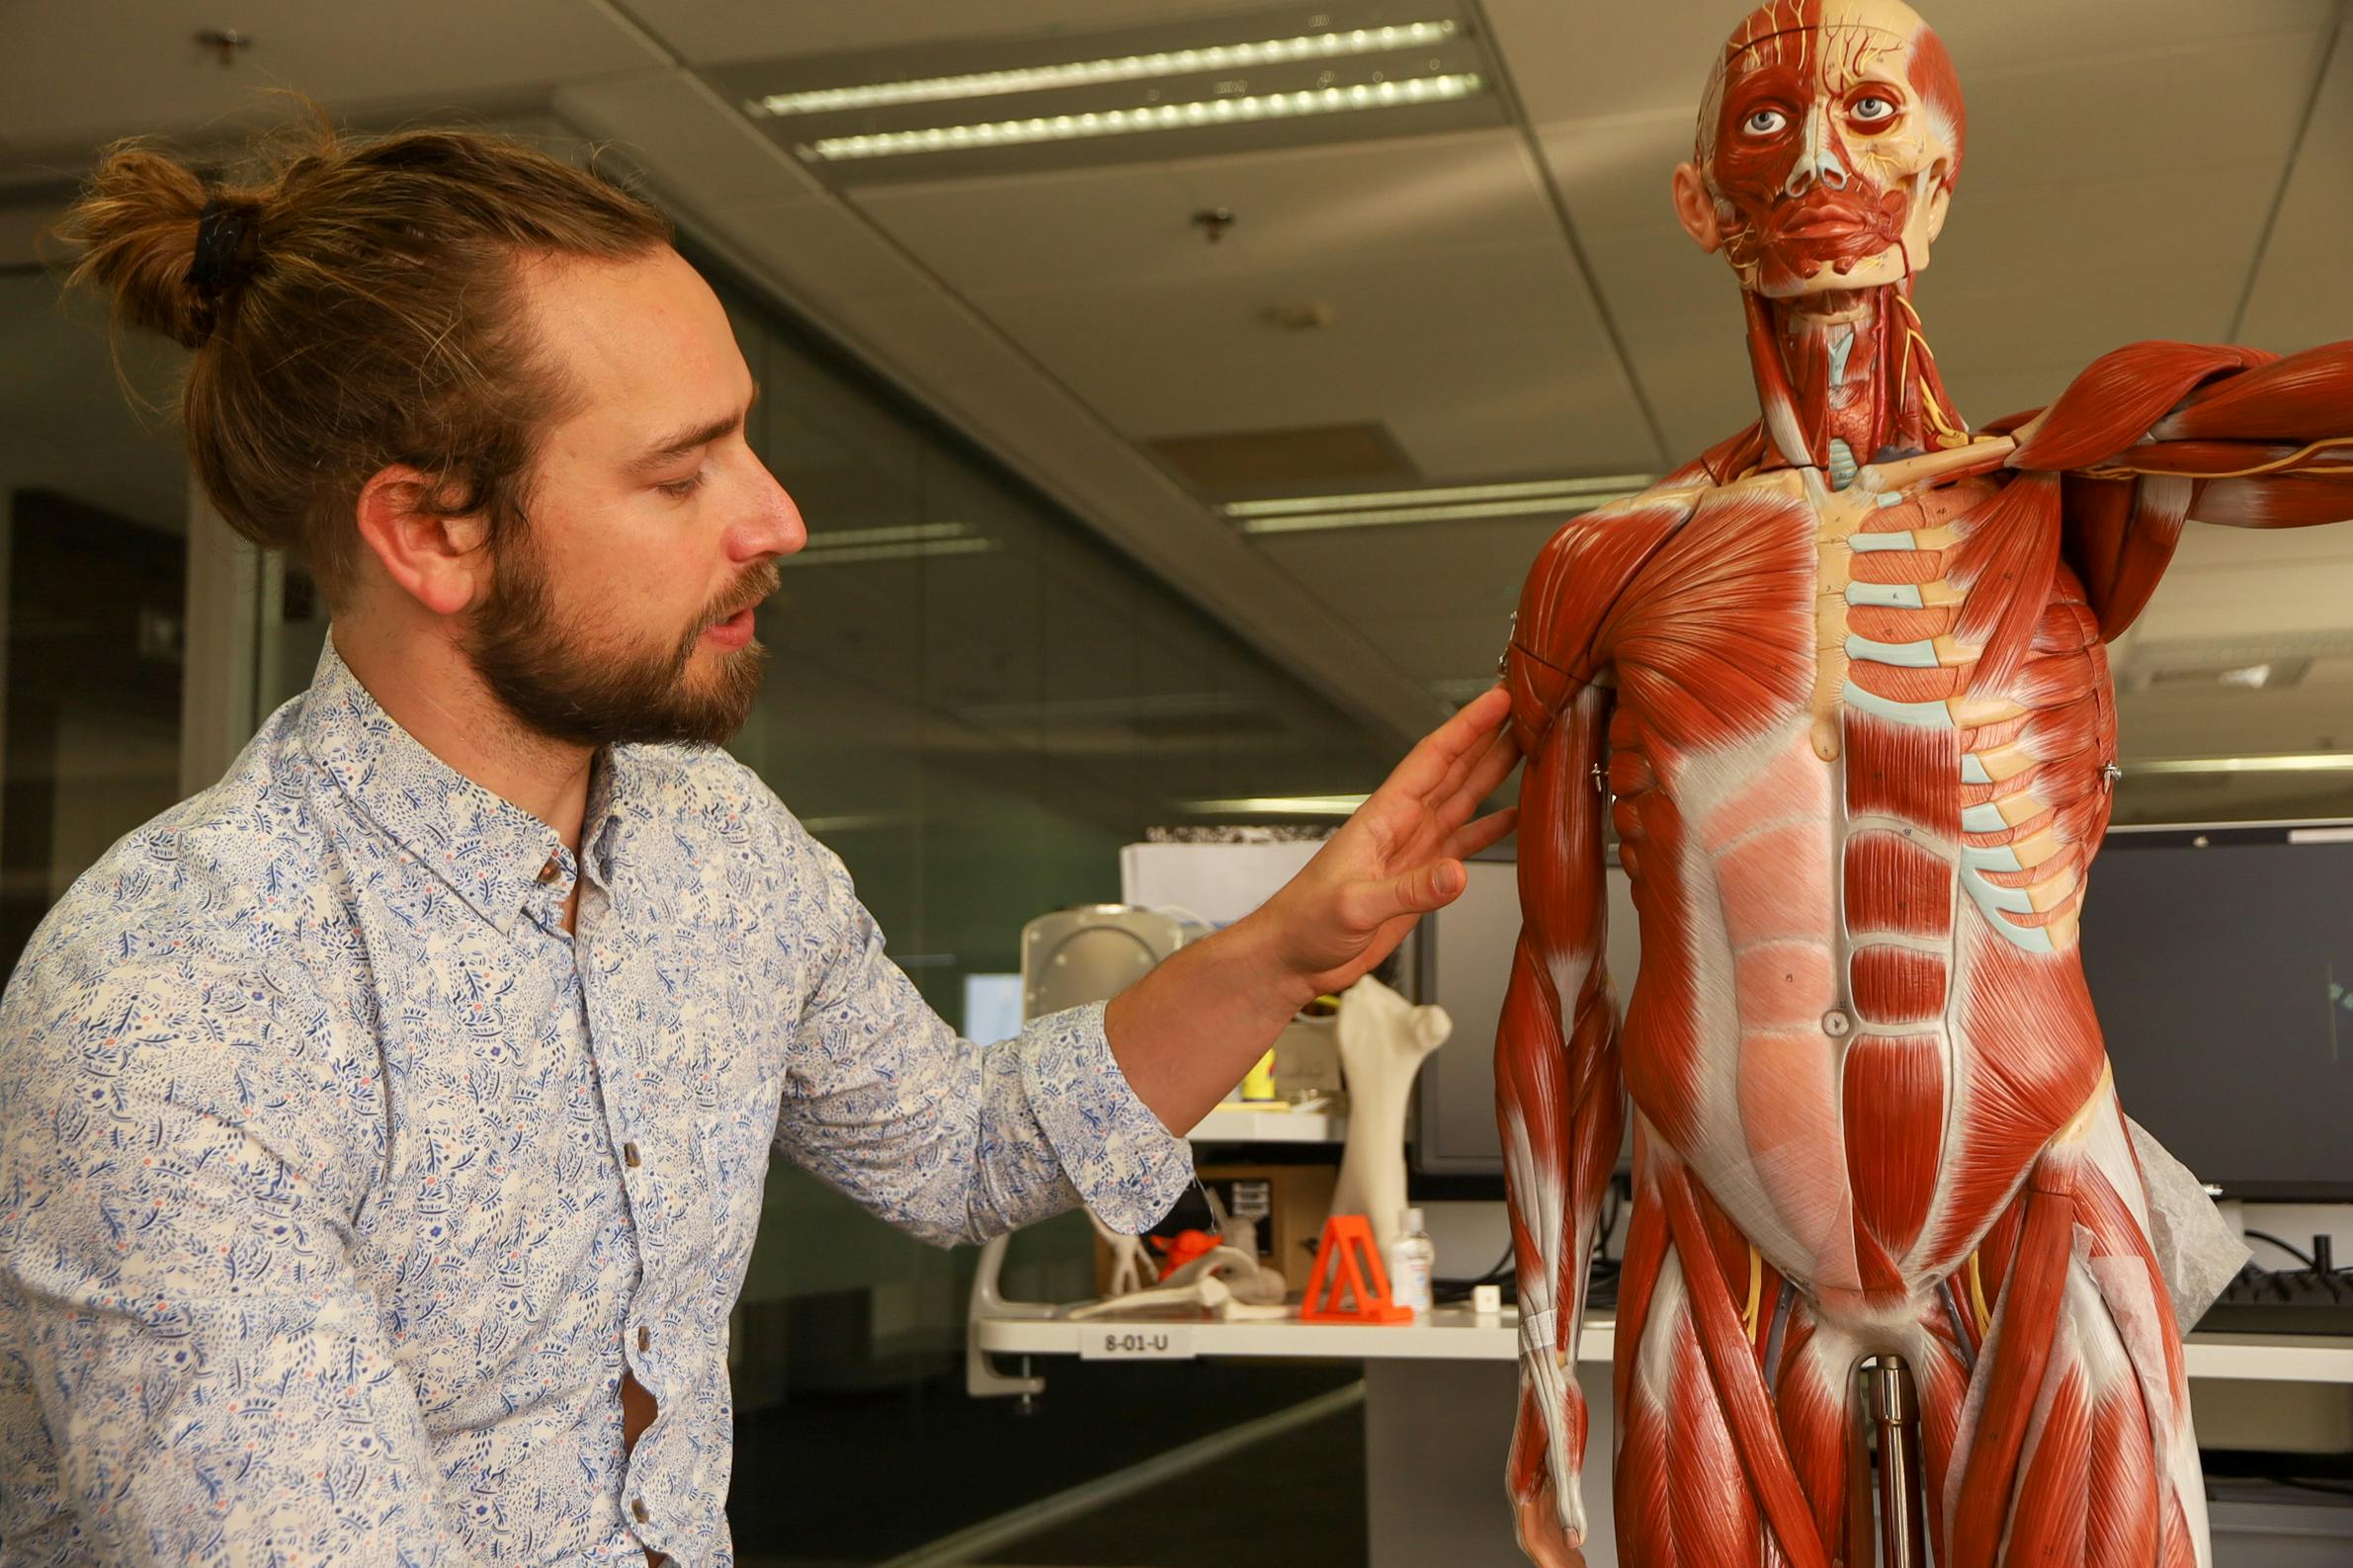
(680,489)
(1764,123)
(1872,108)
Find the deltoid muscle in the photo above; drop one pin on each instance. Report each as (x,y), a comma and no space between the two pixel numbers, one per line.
(1840,684)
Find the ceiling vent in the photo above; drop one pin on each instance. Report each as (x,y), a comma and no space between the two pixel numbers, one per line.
(1304,458)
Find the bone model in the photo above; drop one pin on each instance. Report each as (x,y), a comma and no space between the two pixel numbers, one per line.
(1840,685)
(1383,1039)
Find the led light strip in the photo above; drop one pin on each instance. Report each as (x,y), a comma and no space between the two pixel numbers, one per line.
(1118,68)
(2304,762)
(1561,506)
(847,554)
(1607,485)
(1157,116)
(1280,805)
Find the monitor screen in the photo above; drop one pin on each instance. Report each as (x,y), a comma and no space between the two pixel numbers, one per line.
(1466,949)
(2219,961)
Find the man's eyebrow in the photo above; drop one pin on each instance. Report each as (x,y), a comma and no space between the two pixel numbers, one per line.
(673,448)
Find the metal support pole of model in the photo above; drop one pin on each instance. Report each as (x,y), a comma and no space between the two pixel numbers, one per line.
(1844,679)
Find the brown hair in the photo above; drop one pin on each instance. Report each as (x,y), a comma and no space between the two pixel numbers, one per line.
(355,303)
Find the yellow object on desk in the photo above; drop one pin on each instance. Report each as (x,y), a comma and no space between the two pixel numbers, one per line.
(1258,1084)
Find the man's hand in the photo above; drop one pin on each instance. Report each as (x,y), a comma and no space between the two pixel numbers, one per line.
(1399,857)
(1186,1033)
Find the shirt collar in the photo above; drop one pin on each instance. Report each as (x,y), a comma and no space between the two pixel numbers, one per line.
(497,856)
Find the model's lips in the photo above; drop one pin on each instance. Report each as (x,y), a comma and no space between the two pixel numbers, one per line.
(1837,219)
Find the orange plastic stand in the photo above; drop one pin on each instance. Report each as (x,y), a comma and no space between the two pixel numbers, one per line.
(1347,1265)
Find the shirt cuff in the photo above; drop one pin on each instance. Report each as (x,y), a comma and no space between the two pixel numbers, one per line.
(1127,1167)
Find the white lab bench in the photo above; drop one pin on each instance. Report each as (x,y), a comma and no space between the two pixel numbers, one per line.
(1440,1397)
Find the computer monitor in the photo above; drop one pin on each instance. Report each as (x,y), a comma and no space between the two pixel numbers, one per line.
(2219,961)
(1466,967)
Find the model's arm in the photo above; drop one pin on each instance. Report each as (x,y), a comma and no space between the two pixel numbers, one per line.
(2158,433)
(1556,1083)
(1561,1106)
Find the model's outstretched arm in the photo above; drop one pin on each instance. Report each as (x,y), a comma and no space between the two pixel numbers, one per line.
(2158,433)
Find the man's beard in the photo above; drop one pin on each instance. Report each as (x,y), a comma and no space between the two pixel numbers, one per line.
(570,688)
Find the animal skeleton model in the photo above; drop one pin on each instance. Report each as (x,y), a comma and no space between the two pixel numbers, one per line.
(1840,685)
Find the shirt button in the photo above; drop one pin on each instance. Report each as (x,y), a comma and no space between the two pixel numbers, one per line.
(644,1338)
(637,1511)
(551,871)
(629,1155)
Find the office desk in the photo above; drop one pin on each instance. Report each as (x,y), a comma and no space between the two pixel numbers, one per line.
(1440,1397)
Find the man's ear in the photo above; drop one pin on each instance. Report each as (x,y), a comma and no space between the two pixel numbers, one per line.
(1696,207)
(438,561)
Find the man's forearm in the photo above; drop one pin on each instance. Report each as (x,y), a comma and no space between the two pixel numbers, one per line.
(1186,1033)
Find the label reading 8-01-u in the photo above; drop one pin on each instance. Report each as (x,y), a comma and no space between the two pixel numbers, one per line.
(1135,1342)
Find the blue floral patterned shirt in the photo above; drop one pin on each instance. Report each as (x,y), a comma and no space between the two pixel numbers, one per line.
(339,1184)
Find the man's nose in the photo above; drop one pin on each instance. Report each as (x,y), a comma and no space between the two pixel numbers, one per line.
(774,526)
(1817,162)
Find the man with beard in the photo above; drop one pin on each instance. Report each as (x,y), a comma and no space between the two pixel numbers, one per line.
(382,1130)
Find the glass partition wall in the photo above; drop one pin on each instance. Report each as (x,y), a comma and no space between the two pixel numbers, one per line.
(93,584)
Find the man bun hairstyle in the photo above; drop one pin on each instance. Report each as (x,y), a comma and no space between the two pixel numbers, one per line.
(351,303)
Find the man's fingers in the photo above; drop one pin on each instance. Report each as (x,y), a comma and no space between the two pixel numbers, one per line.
(1471,785)
(1424,889)
(1495,765)
(1487,832)
(1428,764)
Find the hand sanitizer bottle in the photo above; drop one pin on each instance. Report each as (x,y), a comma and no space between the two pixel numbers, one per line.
(1411,1258)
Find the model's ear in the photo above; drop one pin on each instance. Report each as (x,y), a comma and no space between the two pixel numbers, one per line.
(1940,199)
(1696,207)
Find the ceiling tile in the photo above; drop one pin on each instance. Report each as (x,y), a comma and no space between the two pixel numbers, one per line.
(1499,328)
(73,75)
(2299,297)
(722,31)
(1294,207)
(697,147)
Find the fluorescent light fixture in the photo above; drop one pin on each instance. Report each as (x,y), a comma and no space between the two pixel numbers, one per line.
(1313,514)
(1605,484)
(2293,761)
(1116,68)
(1280,806)
(1306,102)
(904,542)
(1556,505)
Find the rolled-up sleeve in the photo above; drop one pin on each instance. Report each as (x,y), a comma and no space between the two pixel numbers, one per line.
(946,1137)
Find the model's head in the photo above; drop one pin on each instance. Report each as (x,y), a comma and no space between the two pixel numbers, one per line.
(1828,144)
(476,391)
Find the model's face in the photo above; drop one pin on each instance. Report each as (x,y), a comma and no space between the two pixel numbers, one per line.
(626,612)
(1827,147)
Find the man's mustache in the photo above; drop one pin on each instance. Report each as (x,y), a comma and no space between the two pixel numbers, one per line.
(754,586)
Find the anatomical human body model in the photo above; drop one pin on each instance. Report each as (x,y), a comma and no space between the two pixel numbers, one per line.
(1844,679)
